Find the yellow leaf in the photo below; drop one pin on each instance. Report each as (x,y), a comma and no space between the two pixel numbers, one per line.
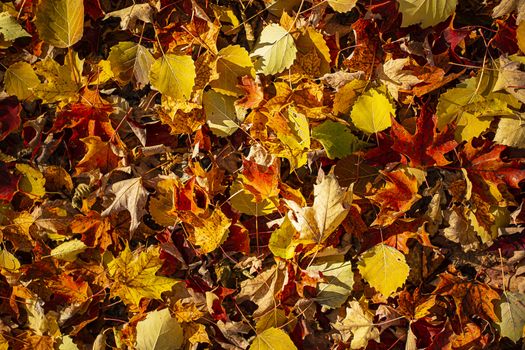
(60,22)
(281,242)
(520,36)
(59,85)
(346,96)
(426,12)
(32,181)
(372,111)
(244,201)
(173,76)
(384,268)
(8,261)
(134,276)
(342,5)
(275,51)
(221,114)
(68,251)
(19,79)
(130,61)
(195,333)
(159,331)
(211,232)
(273,339)
(233,62)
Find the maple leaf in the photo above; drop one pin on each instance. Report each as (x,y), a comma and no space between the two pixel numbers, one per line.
(357,325)
(260,180)
(471,297)
(134,278)
(263,289)
(130,195)
(329,209)
(426,147)
(396,197)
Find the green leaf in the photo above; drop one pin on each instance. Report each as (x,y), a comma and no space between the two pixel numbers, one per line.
(32,181)
(342,5)
(69,250)
(233,62)
(512,309)
(426,12)
(131,61)
(275,51)
(372,111)
(159,331)
(273,339)
(173,76)
(339,280)
(60,22)
(384,268)
(511,131)
(10,29)
(19,79)
(221,114)
(337,139)
(281,241)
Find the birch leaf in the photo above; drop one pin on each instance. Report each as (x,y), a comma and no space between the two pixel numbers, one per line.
(426,12)
(60,22)
(372,112)
(512,309)
(131,61)
(275,51)
(384,268)
(173,76)
(273,339)
(10,29)
(159,331)
(19,79)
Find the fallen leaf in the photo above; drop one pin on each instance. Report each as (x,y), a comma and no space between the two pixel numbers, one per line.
(159,331)
(272,339)
(130,195)
(134,276)
(275,50)
(60,22)
(384,268)
(372,112)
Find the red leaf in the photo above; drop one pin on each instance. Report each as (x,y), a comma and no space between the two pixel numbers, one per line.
(426,147)
(9,116)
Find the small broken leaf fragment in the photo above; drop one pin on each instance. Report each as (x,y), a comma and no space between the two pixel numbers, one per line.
(272,339)
(159,331)
(384,268)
